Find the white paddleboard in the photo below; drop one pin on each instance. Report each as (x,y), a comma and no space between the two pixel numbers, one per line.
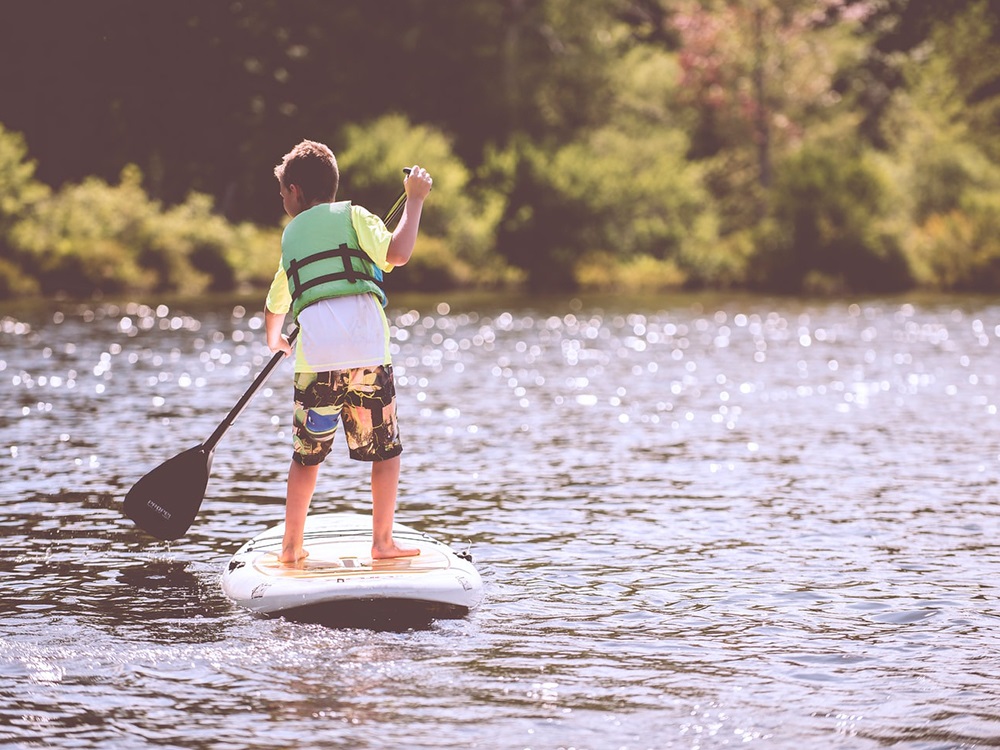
(339,576)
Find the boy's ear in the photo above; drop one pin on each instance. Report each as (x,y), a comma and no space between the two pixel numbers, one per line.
(297,195)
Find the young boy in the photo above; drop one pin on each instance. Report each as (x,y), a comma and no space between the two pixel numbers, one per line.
(332,258)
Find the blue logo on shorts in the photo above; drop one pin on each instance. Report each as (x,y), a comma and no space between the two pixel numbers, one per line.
(321,426)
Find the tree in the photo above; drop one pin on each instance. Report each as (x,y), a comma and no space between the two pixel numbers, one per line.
(19,192)
(940,130)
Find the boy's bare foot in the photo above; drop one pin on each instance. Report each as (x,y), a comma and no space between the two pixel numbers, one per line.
(292,555)
(392,550)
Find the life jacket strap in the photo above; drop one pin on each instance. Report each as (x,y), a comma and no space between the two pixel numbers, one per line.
(350,273)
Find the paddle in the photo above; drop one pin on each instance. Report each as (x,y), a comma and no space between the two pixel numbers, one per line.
(165,502)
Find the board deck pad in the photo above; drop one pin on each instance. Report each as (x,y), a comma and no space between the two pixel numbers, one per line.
(338,562)
(339,575)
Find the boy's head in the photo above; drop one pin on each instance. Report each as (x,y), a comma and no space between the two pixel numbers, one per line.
(312,168)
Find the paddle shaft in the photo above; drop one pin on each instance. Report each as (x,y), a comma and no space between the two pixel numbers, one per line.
(234,413)
(209,445)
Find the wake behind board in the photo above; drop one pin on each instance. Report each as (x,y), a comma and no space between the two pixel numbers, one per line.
(339,580)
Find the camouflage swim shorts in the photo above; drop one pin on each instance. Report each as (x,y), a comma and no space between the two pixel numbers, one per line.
(363,398)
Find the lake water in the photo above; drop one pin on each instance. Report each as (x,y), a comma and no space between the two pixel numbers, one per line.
(702,522)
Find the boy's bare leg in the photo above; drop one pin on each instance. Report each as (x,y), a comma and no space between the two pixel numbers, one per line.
(301,484)
(385,481)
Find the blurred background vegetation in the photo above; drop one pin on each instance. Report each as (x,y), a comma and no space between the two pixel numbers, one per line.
(798,146)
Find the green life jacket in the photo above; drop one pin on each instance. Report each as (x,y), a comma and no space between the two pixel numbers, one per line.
(323,259)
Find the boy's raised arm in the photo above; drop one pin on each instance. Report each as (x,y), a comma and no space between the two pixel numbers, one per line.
(418,185)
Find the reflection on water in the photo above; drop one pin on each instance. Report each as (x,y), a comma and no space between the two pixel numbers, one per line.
(701,522)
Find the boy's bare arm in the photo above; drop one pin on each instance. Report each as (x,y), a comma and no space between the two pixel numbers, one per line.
(417,185)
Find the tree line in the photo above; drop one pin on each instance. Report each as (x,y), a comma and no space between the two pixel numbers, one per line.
(781,145)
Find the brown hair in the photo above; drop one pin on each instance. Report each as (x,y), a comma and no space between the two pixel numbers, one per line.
(313,167)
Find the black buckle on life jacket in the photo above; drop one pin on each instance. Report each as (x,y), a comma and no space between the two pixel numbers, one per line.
(345,257)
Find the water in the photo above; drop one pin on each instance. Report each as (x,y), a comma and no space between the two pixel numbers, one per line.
(701,522)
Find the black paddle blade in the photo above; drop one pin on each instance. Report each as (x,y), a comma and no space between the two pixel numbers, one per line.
(164,503)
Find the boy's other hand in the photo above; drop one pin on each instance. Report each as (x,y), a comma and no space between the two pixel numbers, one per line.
(418,183)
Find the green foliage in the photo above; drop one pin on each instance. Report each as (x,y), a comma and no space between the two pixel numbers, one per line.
(723,264)
(184,246)
(252,252)
(98,238)
(606,272)
(18,188)
(539,231)
(15,282)
(936,158)
(943,172)
(960,77)
(433,268)
(828,225)
(943,155)
(959,250)
(613,190)
(83,239)
(556,57)
(638,195)
(19,192)
(458,223)
(193,249)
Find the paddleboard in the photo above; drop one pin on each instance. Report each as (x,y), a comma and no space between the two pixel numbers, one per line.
(339,577)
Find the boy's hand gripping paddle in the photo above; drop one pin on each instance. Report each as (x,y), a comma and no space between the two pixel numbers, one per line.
(165,502)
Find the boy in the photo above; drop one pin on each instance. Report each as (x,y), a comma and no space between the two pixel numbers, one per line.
(332,258)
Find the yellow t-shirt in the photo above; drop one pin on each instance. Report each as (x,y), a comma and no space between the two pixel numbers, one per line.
(343,332)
